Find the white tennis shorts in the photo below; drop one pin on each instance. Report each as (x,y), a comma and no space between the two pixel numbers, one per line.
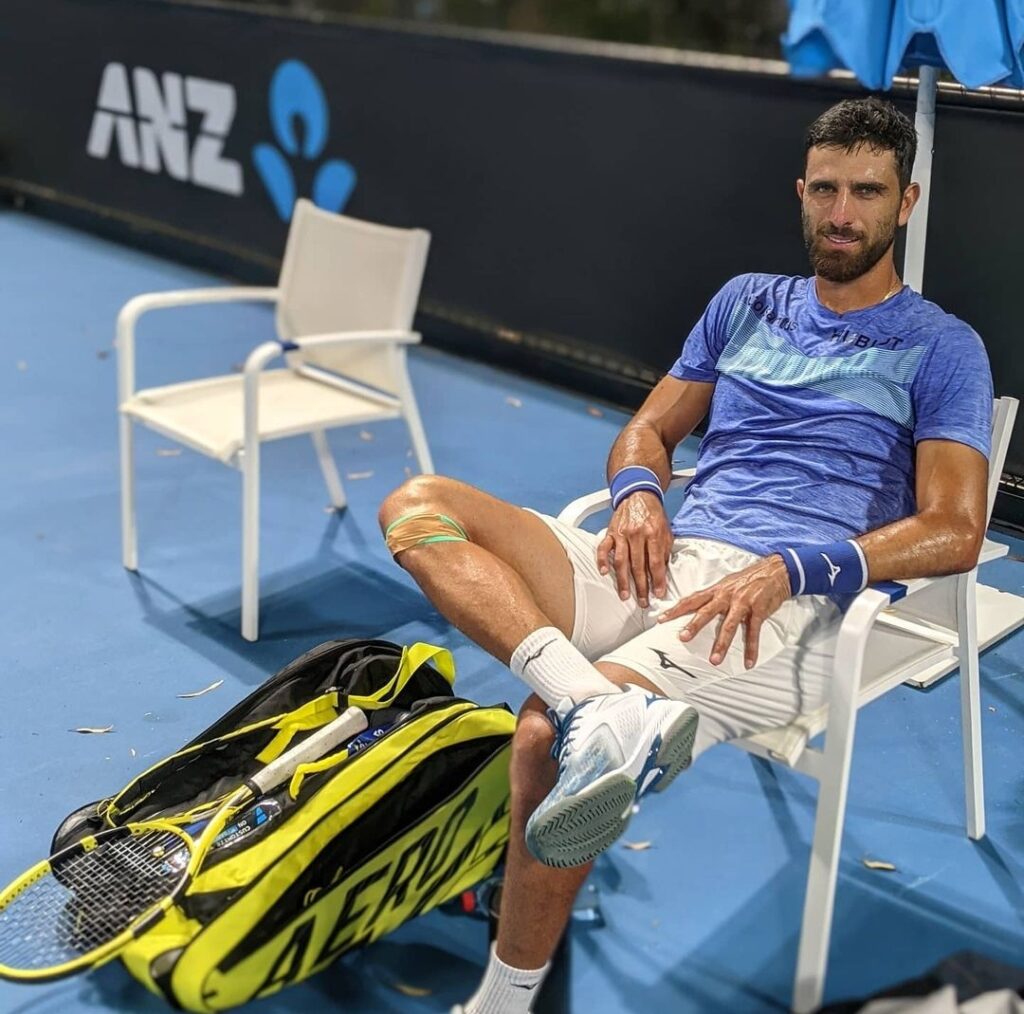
(794,661)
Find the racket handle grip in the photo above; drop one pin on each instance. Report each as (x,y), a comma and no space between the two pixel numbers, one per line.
(348,724)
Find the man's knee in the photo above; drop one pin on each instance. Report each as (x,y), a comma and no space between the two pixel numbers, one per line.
(532,769)
(419,494)
(423,510)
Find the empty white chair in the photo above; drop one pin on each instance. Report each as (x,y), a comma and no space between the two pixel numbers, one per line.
(892,633)
(345,302)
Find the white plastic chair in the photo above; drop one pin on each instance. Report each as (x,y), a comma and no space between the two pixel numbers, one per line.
(891,634)
(345,299)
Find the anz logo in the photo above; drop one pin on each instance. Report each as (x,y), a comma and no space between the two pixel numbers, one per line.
(179,126)
(149,124)
(296,97)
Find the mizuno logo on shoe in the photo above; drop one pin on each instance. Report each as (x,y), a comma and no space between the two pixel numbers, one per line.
(833,571)
(649,779)
(538,653)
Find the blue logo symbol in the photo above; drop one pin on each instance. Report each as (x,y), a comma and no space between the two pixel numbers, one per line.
(296,97)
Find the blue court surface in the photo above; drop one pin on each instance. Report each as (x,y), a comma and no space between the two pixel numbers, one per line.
(705,919)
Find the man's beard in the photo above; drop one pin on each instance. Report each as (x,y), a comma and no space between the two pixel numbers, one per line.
(837,265)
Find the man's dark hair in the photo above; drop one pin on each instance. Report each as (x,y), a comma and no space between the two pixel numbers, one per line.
(870,121)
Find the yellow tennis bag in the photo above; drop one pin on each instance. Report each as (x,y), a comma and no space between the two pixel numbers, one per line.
(406,816)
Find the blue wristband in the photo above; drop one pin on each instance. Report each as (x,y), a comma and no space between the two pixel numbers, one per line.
(634,479)
(839,567)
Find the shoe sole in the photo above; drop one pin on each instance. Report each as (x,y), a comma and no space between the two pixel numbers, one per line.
(579,828)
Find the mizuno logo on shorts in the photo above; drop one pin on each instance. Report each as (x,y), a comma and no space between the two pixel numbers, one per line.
(666,663)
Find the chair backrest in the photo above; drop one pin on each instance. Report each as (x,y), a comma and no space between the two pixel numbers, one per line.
(1003,415)
(343,274)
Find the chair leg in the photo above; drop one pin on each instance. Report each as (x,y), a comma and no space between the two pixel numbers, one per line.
(250,542)
(129,536)
(419,439)
(412,416)
(819,903)
(834,775)
(335,490)
(970,703)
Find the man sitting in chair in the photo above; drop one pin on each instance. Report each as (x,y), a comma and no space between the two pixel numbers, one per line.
(848,442)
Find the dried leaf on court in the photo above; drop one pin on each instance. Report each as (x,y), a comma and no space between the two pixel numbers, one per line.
(95,730)
(359,475)
(406,990)
(514,402)
(168,452)
(365,435)
(103,354)
(199,693)
(990,708)
(636,846)
(594,411)
(879,864)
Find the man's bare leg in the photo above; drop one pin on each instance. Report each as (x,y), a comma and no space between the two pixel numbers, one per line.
(511,577)
(509,587)
(527,932)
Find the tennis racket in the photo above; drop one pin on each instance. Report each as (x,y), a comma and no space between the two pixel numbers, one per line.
(81,906)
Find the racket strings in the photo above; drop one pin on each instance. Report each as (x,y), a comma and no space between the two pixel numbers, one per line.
(89,899)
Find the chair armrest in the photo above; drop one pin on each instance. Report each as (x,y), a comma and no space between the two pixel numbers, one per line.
(897,590)
(138,305)
(317,341)
(590,504)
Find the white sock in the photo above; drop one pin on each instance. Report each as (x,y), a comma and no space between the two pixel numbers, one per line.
(549,664)
(504,989)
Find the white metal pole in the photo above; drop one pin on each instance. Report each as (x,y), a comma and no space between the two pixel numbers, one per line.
(917,229)
(970,703)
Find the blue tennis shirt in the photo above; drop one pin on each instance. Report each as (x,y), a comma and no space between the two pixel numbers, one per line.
(815,414)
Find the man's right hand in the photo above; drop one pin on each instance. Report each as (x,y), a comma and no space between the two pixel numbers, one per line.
(638,544)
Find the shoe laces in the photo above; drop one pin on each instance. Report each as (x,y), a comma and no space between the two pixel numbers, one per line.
(565,725)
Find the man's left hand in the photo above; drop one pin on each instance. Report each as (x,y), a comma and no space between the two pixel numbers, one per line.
(747,597)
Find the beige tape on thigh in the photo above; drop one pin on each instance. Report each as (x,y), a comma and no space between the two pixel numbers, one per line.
(419,529)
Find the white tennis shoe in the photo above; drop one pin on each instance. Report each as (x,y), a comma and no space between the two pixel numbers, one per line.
(611,750)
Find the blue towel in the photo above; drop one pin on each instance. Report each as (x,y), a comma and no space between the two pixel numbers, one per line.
(979,41)
(1015,30)
(969,39)
(827,34)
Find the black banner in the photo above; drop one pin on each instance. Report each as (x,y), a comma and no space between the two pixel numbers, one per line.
(584,207)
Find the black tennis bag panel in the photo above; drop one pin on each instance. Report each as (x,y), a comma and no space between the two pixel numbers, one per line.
(354,666)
